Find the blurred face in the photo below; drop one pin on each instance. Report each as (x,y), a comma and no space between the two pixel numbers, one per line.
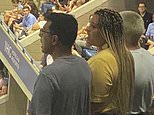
(94,33)
(141,8)
(26,11)
(41,17)
(46,37)
(49,40)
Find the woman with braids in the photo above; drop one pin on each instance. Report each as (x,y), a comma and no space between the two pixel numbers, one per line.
(112,67)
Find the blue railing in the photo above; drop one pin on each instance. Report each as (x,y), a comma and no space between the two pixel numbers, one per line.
(18,58)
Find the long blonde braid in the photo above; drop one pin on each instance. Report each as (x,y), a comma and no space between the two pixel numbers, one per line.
(111,27)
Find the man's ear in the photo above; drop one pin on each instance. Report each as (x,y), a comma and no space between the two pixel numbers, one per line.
(54,39)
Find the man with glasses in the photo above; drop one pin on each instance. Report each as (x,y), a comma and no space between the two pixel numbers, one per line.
(63,87)
(26,24)
(147,18)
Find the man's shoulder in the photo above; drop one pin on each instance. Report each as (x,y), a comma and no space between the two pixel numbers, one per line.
(62,64)
(138,51)
(142,53)
(49,68)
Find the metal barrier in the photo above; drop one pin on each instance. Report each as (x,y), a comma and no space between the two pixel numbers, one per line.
(22,66)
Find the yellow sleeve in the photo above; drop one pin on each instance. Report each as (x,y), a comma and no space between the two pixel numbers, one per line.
(101,81)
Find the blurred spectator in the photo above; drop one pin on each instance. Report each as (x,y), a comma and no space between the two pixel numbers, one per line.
(39,23)
(147,17)
(15,3)
(48,6)
(33,8)
(150,31)
(7,16)
(145,42)
(24,27)
(63,2)
(20,5)
(71,5)
(10,17)
(82,33)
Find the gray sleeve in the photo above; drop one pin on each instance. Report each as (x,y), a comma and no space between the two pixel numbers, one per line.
(42,99)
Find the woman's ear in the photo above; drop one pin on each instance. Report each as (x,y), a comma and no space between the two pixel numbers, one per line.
(54,39)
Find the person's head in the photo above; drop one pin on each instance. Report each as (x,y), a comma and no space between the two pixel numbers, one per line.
(60,31)
(106,27)
(41,18)
(141,7)
(15,3)
(26,10)
(133,27)
(33,8)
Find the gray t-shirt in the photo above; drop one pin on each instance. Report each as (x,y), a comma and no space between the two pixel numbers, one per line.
(63,88)
(144,80)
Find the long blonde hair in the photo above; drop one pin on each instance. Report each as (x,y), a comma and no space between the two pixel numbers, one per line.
(111,27)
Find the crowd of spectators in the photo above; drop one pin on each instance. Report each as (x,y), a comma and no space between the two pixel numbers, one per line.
(26,17)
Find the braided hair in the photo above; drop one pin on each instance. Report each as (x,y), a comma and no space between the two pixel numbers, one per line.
(111,27)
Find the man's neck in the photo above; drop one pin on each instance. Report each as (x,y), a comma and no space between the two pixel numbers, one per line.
(60,53)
